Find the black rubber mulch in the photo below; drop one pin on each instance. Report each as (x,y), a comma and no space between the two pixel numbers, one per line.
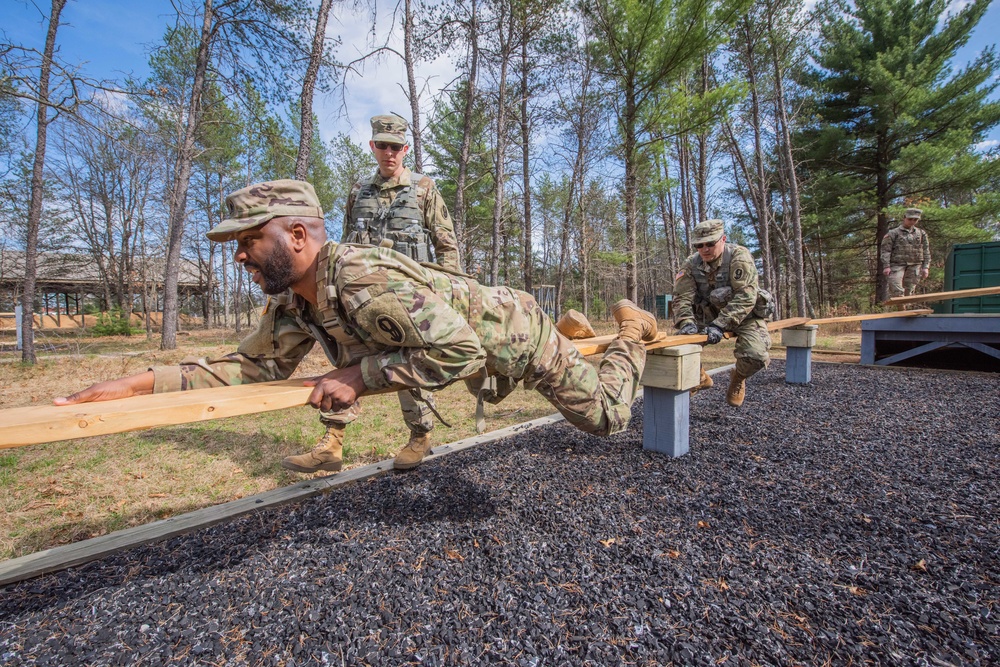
(850,522)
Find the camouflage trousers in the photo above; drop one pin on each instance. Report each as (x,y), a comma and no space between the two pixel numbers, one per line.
(903,279)
(595,400)
(416,412)
(752,343)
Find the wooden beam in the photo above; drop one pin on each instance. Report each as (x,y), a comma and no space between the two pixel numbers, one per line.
(39,424)
(589,346)
(871,316)
(942,296)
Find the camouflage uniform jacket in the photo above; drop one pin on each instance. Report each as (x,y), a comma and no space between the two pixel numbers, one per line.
(401,199)
(905,247)
(697,279)
(414,325)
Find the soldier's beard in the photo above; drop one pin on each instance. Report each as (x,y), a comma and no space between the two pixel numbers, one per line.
(276,270)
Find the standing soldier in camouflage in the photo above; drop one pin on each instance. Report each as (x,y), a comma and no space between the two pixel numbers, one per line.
(906,254)
(716,290)
(391,323)
(404,207)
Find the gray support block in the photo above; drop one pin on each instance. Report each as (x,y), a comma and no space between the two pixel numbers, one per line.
(666,418)
(798,365)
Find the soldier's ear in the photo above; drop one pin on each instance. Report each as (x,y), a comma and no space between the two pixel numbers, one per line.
(298,234)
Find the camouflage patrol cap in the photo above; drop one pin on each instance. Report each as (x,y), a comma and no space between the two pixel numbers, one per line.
(389,127)
(254,205)
(707,231)
(913,213)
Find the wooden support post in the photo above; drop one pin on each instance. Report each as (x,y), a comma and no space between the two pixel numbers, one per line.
(670,372)
(799,342)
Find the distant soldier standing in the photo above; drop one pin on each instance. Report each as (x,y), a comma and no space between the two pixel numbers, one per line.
(406,208)
(906,252)
(716,289)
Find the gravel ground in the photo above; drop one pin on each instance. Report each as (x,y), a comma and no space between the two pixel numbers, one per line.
(850,522)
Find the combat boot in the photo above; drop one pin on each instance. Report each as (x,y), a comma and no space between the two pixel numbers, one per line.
(414,452)
(704,382)
(634,323)
(574,325)
(328,454)
(737,390)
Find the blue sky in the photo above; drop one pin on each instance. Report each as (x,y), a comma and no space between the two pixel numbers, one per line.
(110,38)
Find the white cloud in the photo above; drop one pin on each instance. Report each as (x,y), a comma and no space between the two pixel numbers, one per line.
(984,146)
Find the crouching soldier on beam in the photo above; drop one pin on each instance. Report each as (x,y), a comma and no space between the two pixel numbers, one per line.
(716,292)
(389,323)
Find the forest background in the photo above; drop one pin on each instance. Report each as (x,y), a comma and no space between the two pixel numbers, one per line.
(576,144)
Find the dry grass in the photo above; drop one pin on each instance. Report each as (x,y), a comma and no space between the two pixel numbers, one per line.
(68,491)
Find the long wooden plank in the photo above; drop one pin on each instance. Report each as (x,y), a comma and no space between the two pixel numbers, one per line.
(50,423)
(39,424)
(589,346)
(942,296)
(870,316)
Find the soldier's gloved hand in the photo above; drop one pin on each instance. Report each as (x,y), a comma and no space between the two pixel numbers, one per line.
(688,329)
(714,334)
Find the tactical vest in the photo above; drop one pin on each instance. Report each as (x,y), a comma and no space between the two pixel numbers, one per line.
(711,296)
(402,222)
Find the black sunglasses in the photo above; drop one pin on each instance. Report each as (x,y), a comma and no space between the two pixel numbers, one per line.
(385,145)
(699,246)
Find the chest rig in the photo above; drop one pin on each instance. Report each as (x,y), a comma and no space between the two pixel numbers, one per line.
(714,291)
(341,346)
(401,222)
(707,281)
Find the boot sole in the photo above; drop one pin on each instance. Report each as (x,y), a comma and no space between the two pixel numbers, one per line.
(325,467)
(644,315)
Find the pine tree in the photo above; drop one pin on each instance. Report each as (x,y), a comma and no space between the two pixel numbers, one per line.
(897,125)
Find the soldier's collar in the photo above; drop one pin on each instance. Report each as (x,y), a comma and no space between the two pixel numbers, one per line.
(402,179)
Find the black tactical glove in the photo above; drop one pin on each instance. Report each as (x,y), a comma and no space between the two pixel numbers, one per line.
(688,329)
(714,334)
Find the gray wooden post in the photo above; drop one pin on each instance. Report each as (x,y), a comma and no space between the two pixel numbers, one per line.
(799,342)
(17,319)
(669,375)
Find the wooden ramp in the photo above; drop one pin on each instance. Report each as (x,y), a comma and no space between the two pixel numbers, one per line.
(870,316)
(942,296)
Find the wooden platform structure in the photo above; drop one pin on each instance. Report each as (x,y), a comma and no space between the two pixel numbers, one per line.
(891,341)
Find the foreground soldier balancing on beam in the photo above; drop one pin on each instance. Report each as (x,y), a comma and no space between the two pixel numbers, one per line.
(388,322)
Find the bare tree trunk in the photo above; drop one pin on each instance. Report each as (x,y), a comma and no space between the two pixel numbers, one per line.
(798,273)
(525,155)
(308,88)
(178,195)
(37,185)
(630,119)
(499,167)
(411,80)
(463,160)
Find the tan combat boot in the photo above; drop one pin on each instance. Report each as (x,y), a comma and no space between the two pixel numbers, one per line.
(574,325)
(704,382)
(328,454)
(634,323)
(737,390)
(416,449)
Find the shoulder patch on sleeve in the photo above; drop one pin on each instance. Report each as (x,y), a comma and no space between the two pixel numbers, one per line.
(739,273)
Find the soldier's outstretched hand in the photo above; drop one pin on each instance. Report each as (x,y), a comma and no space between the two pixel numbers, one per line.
(109,390)
(337,390)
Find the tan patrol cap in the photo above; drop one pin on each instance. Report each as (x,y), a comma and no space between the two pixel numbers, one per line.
(254,205)
(389,127)
(913,213)
(708,231)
